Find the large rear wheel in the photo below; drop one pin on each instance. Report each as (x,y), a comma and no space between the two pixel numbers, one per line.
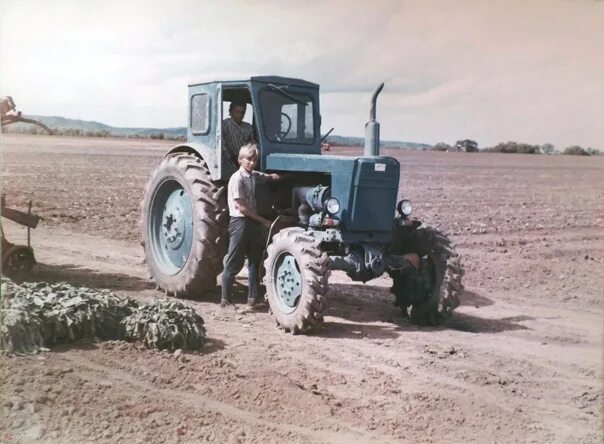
(296,280)
(183,225)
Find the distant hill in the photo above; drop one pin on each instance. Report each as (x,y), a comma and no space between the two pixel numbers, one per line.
(360,141)
(64,124)
(90,127)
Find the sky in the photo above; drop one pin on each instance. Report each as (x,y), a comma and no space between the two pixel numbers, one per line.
(493,71)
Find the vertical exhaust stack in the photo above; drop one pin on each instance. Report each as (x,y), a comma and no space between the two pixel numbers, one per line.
(372,128)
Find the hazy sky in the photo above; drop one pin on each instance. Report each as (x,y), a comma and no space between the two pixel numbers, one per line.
(530,71)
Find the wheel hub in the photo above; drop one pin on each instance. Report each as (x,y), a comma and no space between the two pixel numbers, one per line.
(171,227)
(289,281)
(173,223)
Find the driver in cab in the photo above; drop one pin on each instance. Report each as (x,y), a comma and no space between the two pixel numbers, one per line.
(235,132)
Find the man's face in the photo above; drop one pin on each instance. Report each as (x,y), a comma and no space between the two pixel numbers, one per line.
(237,113)
(248,163)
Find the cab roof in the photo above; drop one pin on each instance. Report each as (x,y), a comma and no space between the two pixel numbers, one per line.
(265,79)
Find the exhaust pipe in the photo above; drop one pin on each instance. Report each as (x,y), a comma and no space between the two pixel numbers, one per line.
(372,128)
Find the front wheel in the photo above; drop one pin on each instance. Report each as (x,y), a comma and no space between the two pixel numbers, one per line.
(297,276)
(441,274)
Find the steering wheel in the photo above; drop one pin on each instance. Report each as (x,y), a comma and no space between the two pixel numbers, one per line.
(288,121)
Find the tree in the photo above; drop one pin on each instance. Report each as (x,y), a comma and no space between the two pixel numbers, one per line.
(442,146)
(576,150)
(547,148)
(515,147)
(467,145)
(593,151)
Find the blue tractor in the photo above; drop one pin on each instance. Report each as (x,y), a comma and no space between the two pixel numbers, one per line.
(334,213)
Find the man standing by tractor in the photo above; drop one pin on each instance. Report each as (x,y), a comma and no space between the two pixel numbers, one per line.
(246,234)
(236,132)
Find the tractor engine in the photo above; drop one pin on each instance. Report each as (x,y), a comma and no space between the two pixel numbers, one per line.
(362,260)
(315,206)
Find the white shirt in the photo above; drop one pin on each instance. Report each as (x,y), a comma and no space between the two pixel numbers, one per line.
(242,185)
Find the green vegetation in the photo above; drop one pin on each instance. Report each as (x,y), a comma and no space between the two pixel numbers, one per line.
(93,133)
(468,145)
(442,146)
(514,147)
(576,150)
(360,141)
(39,315)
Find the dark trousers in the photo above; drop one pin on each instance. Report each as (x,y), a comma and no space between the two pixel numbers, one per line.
(246,239)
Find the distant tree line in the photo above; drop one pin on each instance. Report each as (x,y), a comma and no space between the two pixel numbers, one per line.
(464,145)
(467,145)
(92,133)
(580,151)
(515,147)
(470,146)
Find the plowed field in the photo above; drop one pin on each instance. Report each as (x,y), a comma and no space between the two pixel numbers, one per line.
(519,361)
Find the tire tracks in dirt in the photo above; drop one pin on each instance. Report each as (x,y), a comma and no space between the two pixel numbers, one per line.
(129,383)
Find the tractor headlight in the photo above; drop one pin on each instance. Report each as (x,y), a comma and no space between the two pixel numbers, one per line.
(404,207)
(332,205)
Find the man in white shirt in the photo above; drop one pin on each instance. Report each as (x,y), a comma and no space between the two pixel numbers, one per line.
(246,237)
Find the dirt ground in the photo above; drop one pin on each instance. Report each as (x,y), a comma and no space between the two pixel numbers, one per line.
(519,361)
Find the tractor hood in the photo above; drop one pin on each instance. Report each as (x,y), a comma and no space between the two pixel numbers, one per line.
(366,187)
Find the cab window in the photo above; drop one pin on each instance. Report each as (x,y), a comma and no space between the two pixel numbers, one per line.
(287,117)
(200,114)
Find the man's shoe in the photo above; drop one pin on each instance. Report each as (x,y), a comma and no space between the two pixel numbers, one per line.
(253,305)
(227,304)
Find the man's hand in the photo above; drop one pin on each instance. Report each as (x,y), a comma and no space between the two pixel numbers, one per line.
(273,177)
(248,212)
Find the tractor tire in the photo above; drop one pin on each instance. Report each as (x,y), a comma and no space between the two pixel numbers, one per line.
(441,265)
(296,279)
(184,226)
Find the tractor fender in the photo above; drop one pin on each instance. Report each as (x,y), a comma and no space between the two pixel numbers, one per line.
(220,166)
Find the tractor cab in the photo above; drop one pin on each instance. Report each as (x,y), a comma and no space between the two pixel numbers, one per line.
(283,112)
